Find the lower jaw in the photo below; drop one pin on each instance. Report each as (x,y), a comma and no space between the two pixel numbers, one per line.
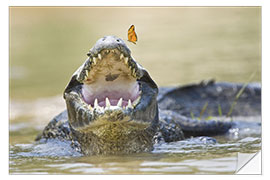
(111,139)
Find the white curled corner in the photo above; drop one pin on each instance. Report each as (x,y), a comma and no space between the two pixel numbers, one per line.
(249,163)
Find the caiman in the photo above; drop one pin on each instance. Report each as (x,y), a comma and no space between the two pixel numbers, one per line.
(115,107)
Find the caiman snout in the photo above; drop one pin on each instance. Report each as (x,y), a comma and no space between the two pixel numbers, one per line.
(112,98)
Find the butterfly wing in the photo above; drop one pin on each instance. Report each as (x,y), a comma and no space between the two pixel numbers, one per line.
(132,36)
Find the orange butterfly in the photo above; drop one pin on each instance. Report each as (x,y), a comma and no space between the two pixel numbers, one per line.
(132,37)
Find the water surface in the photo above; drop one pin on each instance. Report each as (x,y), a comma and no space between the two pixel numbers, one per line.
(191,156)
(198,155)
(176,45)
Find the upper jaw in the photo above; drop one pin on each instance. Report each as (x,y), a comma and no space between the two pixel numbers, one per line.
(136,70)
(109,70)
(96,126)
(108,43)
(82,110)
(110,78)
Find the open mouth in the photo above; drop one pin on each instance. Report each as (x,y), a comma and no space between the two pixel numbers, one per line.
(110,87)
(111,101)
(111,81)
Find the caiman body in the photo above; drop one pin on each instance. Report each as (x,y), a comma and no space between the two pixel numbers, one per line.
(114,106)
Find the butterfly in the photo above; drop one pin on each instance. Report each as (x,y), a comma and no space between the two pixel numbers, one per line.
(132,36)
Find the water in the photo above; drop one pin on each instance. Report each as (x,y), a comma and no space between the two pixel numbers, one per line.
(199,155)
(191,156)
(176,45)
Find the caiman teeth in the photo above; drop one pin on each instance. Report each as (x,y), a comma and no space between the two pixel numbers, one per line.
(129,104)
(121,56)
(99,56)
(94,60)
(136,101)
(108,104)
(90,107)
(126,60)
(85,78)
(134,72)
(120,102)
(96,103)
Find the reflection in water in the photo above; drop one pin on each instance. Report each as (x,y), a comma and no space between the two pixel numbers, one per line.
(226,47)
(199,155)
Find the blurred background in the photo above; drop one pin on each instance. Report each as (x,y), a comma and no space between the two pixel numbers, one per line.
(177,45)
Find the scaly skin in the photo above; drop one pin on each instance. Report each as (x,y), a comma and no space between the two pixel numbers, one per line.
(135,129)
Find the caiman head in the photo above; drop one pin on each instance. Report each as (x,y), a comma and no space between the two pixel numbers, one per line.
(111,101)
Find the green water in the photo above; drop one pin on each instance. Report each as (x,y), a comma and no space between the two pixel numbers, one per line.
(176,45)
(191,156)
